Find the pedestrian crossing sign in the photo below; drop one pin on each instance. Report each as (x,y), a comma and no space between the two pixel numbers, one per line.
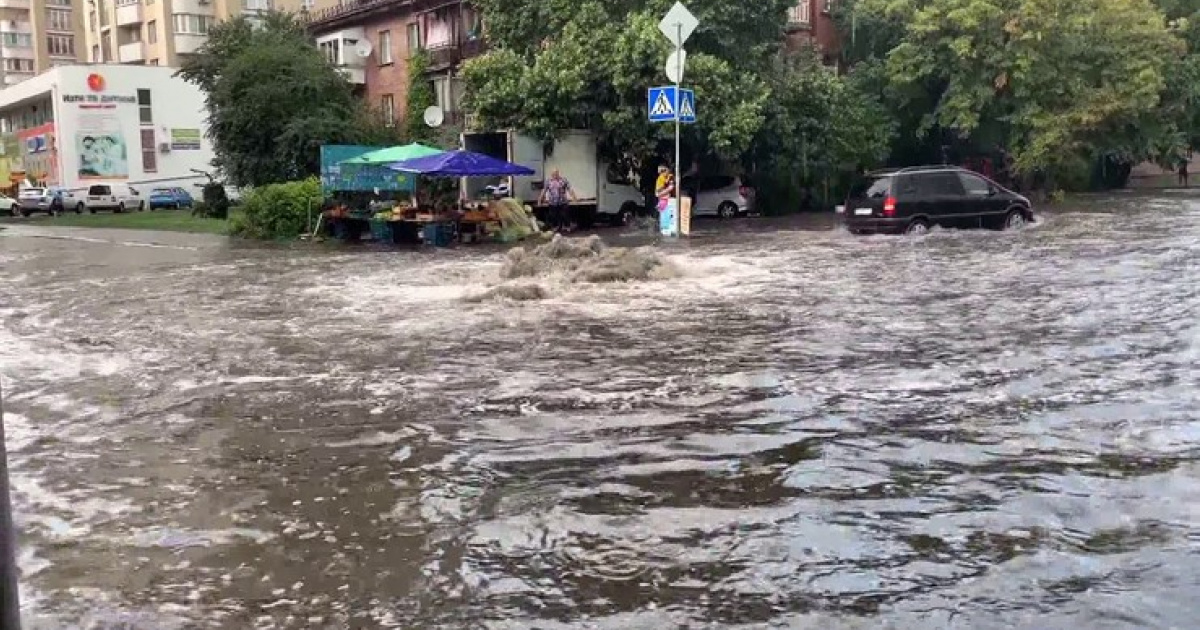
(687,106)
(661,105)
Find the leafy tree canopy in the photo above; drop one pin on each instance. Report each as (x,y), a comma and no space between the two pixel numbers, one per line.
(588,63)
(273,100)
(1049,80)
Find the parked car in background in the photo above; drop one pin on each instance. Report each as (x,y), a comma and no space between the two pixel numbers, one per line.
(114,197)
(8,205)
(173,197)
(913,200)
(724,196)
(51,200)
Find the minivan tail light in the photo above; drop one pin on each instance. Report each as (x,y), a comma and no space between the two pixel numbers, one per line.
(889,207)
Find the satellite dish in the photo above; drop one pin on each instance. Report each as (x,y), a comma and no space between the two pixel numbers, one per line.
(364,49)
(434,117)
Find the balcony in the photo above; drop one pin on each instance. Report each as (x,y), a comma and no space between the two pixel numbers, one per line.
(129,15)
(9,26)
(133,52)
(354,76)
(14,4)
(800,16)
(187,44)
(16,52)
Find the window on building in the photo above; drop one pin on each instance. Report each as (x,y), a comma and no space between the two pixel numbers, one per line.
(95,53)
(388,105)
(308,5)
(18,65)
(17,40)
(144,111)
(799,14)
(58,20)
(149,151)
(330,49)
(414,38)
(826,6)
(149,2)
(152,32)
(190,24)
(60,45)
(385,47)
(153,62)
(257,5)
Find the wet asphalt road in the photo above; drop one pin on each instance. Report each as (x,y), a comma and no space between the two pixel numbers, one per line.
(803,430)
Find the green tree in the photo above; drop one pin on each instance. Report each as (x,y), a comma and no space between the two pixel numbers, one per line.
(1049,80)
(273,100)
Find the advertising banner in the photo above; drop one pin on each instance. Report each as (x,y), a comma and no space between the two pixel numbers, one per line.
(185,139)
(666,219)
(101,147)
(336,176)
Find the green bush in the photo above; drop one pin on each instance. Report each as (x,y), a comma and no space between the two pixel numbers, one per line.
(216,202)
(278,211)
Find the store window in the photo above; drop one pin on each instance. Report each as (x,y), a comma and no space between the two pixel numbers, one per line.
(145,115)
(60,45)
(385,47)
(149,151)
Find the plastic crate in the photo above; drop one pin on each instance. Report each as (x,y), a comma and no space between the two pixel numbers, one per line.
(381,231)
(438,234)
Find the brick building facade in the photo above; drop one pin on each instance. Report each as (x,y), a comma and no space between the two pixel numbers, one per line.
(810,23)
(372,41)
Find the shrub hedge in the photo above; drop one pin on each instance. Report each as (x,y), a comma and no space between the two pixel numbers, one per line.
(279,211)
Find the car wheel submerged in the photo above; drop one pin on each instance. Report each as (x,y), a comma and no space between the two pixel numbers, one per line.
(727,210)
(918,227)
(1015,220)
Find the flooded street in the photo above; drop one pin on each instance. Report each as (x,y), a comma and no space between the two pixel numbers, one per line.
(803,429)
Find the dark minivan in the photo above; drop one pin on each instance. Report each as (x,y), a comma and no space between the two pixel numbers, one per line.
(912,200)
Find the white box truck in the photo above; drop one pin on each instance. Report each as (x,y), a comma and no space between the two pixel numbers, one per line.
(603,194)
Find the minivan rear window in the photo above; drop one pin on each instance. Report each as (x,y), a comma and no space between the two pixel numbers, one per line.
(871,188)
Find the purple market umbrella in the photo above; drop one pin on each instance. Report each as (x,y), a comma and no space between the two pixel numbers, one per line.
(459,164)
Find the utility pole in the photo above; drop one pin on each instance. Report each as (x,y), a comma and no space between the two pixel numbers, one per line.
(678,100)
(10,608)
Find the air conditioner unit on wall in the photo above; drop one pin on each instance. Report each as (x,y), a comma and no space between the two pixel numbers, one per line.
(164,147)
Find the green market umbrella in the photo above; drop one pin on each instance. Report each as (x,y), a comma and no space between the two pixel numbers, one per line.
(394,154)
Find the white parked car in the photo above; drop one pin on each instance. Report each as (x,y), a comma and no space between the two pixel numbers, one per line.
(8,205)
(724,196)
(114,197)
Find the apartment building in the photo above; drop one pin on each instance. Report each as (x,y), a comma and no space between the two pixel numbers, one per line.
(36,35)
(159,32)
(810,23)
(371,41)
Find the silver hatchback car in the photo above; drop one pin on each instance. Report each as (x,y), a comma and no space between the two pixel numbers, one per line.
(724,196)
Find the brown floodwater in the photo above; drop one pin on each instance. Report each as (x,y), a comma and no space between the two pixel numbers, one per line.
(795,428)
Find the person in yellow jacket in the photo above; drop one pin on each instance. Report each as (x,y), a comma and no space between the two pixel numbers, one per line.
(664,186)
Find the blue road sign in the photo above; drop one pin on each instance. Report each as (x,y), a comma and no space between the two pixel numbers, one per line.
(660,102)
(687,106)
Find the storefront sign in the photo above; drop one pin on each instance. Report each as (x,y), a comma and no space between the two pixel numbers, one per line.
(99,98)
(185,139)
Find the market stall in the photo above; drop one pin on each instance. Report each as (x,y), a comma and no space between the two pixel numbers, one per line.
(503,220)
(359,185)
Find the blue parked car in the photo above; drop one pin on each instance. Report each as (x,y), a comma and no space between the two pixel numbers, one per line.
(170,198)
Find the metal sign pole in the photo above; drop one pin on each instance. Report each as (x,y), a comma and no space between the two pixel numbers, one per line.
(10,609)
(678,101)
